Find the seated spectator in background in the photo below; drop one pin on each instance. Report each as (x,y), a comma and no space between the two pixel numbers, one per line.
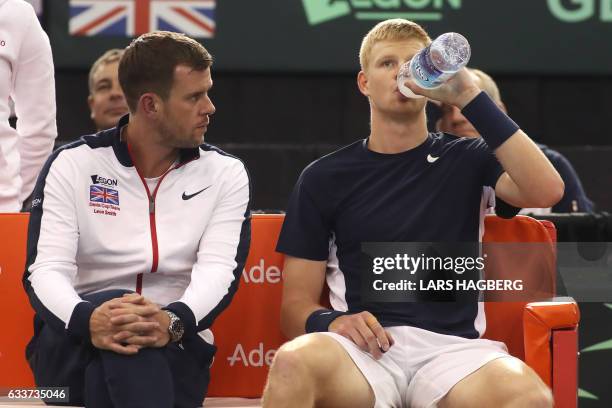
(574,199)
(26,76)
(125,277)
(106,100)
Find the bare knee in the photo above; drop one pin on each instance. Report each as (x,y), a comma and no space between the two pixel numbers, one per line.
(527,390)
(287,365)
(315,370)
(537,397)
(287,381)
(298,367)
(506,383)
(307,356)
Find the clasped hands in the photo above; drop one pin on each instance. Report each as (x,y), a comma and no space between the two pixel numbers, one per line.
(129,323)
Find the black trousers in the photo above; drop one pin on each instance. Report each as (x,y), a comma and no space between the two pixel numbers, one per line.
(173,376)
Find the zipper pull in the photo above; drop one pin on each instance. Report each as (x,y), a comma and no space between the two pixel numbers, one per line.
(151,205)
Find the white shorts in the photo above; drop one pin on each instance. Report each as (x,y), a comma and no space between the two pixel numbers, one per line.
(422,366)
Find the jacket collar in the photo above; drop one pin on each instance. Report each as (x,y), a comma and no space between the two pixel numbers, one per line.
(121,149)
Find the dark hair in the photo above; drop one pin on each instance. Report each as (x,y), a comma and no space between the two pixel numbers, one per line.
(148,63)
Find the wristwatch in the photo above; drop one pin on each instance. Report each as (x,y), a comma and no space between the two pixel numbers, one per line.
(175,328)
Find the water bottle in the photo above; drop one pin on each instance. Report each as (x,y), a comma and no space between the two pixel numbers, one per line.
(435,64)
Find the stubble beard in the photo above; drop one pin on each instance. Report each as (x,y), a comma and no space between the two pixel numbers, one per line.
(172,138)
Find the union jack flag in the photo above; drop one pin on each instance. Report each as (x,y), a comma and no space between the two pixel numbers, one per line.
(130,18)
(104,195)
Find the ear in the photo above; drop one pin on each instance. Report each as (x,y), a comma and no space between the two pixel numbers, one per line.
(149,103)
(362,83)
(90,101)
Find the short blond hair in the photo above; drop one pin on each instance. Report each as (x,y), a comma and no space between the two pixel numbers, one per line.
(397,29)
(110,56)
(487,84)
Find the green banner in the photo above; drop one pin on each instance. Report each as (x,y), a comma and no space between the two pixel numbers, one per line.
(512,36)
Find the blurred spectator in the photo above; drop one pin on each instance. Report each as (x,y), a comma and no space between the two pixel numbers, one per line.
(574,199)
(26,76)
(106,100)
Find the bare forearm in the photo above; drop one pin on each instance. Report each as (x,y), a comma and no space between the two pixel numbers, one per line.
(302,288)
(537,181)
(294,315)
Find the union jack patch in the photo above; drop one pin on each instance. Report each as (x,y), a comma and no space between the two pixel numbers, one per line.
(104,195)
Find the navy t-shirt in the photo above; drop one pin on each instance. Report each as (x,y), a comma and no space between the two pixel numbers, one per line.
(430,193)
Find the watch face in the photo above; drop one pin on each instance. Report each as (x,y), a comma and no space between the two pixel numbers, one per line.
(176,328)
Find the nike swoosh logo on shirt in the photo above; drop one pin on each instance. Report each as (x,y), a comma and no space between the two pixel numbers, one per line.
(188,196)
(432,159)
